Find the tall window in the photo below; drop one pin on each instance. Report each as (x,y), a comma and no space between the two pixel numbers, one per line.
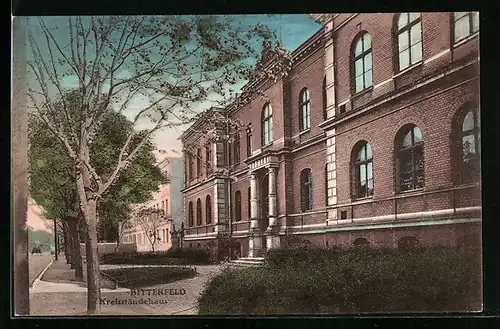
(468,148)
(198,162)
(363,170)
(208,210)
(249,204)
(237,206)
(409,36)
(165,209)
(306,190)
(465,24)
(249,140)
(190,166)
(198,212)
(236,146)
(267,124)
(208,156)
(362,63)
(411,158)
(305,110)
(191,214)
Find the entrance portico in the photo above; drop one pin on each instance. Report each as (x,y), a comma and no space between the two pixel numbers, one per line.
(263,207)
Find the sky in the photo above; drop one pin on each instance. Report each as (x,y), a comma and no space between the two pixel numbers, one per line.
(291,29)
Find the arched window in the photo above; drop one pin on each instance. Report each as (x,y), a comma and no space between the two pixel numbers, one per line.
(249,204)
(467,147)
(267,124)
(361,242)
(410,157)
(191,214)
(236,146)
(208,210)
(305,110)
(237,206)
(362,63)
(198,212)
(198,162)
(363,170)
(306,191)
(465,24)
(409,36)
(408,242)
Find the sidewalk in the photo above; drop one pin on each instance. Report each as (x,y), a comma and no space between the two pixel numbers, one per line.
(58,294)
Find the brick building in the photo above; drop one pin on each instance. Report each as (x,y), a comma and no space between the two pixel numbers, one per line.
(169,199)
(372,138)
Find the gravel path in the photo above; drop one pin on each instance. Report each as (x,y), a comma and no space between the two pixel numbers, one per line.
(54,299)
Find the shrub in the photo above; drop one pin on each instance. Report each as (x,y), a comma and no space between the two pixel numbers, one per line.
(170,257)
(136,277)
(326,281)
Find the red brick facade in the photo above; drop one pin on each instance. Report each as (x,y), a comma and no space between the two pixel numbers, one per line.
(433,93)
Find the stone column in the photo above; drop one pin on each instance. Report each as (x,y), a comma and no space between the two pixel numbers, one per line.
(272,198)
(272,238)
(253,203)
(255,239)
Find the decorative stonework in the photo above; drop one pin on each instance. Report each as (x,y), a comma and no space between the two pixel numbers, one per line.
(331,174)
(263,162)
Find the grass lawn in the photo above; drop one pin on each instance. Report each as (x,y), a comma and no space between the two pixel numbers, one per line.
(138,277)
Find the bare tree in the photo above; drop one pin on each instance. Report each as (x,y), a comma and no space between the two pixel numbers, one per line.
(122,226)
(174,65)
(150,219)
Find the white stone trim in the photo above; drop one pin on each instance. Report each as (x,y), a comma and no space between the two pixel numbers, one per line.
(320,225)
(444,52)
(391,225)
(216,207)
(307,213)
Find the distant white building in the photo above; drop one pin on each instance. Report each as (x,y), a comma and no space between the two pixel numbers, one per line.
(156,231)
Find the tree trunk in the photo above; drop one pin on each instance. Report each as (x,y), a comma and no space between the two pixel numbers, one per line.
(72,244)
(91,247)
(76,252)
(20,169)
(67,242)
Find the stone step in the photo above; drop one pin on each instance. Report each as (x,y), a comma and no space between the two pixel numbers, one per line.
(248,261)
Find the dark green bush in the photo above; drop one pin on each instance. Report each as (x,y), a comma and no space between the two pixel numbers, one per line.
(323,281)
(136,277)
(170,257)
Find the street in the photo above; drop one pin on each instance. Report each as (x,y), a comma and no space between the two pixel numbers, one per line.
(37,263)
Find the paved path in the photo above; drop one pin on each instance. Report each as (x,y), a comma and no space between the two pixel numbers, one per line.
(49,298)
(37,263)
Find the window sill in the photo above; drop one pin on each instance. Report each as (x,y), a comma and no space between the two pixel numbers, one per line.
(305,131)
(362,92)
(409,68)
(356,201)
(458,43)
(266,146)
(410,192)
